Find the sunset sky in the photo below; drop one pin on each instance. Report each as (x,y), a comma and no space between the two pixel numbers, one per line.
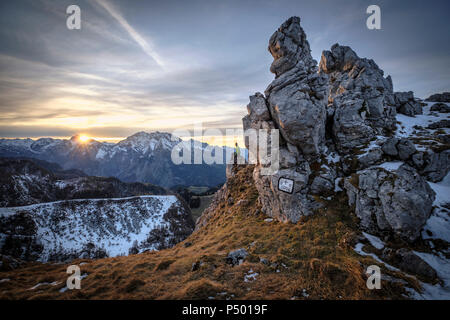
(160,65)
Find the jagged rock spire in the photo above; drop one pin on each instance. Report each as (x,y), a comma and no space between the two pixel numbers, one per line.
(289,47)
(297,97)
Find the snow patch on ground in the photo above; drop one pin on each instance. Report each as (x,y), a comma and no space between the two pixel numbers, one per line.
(442,190)
(438,291)
(333,157)
(374,241)
(439,222)
(55,283)
(391,166)
(358,249)
(406,126)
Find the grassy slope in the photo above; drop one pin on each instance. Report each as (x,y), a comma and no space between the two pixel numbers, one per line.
(205,201)
(317,254)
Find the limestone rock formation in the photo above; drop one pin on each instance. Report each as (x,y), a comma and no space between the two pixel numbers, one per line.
(439,97)
(295,104)
(356,98)
(437,165)
(398,202)
(404,103)
(401,148)
(440,107)
(297,97)
(338,122)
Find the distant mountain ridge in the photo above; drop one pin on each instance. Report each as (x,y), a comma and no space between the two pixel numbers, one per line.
(56,215)
(29,181)
(142,157)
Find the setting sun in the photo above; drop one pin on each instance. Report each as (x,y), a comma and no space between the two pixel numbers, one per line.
(84,138)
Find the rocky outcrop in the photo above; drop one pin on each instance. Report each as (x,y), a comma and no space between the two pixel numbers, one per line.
(356,98)
(295,104)
(439,97)
(436,165)
(445,123)
(399,202)
(297,97)
(399,148)
(404,103)
(440,107)
(236,257)
(338,122)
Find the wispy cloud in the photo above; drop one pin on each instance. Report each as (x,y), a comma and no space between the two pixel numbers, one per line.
(147,47)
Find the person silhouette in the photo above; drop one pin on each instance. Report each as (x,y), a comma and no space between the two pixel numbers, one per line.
(237,152)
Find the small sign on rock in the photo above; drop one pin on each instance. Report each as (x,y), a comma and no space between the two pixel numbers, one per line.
(286,185)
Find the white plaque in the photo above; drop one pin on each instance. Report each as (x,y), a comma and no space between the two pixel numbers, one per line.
(286,185)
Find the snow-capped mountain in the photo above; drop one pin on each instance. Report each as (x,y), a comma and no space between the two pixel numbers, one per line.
(95,228)
(143,157)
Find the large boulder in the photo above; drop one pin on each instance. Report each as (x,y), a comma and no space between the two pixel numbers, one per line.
(405,103)
(236,257)
(340,108)
(401,148)
(439,97)
(440,107)
(436,165)
(399,202)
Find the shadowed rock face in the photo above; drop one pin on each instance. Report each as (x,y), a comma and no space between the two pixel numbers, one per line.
(289,47)
(439,97)
(404,103)
(397,202)
(336,122)
(356,97)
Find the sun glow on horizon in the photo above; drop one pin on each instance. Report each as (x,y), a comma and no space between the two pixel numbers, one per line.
(84,138)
